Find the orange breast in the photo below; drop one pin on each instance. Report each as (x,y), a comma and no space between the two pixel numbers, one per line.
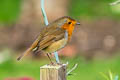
(69,29)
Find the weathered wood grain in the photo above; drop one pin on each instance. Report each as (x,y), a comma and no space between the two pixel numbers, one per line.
(50,72)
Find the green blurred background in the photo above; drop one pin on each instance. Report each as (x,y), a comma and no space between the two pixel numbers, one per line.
(95,45)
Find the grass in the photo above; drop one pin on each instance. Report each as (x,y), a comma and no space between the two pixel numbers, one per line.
(91,70)
(110,76)
(86,70)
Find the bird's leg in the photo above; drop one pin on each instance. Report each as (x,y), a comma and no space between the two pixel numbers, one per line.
(50,59)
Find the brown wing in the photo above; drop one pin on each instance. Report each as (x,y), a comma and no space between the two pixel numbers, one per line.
(47,36)
(50,38)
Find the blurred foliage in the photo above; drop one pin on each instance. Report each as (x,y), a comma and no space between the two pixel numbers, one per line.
(86,70)
(9,10)
(92,9)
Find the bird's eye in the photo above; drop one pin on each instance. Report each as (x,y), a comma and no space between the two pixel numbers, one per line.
(69,22)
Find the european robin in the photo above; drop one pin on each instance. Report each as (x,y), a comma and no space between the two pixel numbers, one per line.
(53,37)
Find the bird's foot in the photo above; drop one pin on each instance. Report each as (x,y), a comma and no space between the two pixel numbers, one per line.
(55,64)
(59,63)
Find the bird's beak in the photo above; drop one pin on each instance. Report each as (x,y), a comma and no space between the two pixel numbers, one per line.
(77,23)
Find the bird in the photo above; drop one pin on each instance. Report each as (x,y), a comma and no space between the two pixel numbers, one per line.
(53,37)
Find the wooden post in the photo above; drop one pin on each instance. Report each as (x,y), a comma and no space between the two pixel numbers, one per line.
(50,72)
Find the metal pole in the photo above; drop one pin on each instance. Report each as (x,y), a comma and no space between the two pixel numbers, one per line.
(46,23)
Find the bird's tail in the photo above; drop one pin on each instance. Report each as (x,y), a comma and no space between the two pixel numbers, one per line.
(33,46)
(24,54)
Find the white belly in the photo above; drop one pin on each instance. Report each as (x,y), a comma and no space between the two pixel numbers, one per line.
(56,46)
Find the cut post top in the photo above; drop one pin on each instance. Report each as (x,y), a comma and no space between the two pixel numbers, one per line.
(53,66)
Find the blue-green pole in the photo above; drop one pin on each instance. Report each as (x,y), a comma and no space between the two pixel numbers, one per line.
(46,23)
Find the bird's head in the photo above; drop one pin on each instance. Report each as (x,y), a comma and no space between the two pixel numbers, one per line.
(66,22)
